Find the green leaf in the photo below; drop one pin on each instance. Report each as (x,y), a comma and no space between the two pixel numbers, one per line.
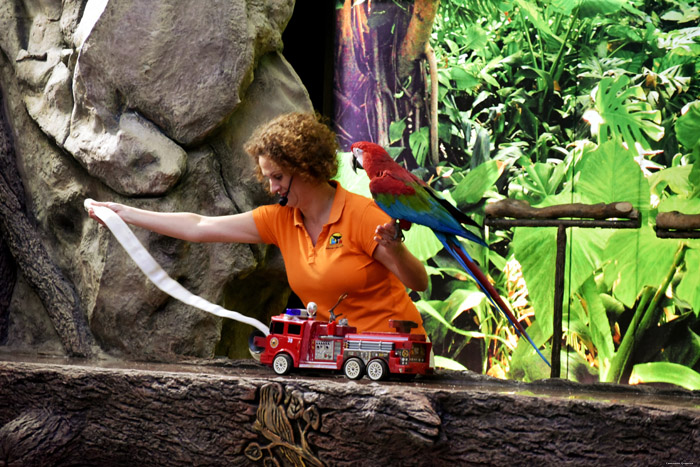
(463,79)
(464,299)
(625,114)
(525,363)
(454,48)
(539,182)
(609,174)
(688,126)
(535,249)
(688,289)
(422,242)
(680,204)
(676,342)
(637,258)
(664,372)
(686,15)
(356,182)
(474,185)
(676,178)
(592,8)
(533,13)
(427,309)
(475,37)
(599,325)
(419,142)
(396,130)
(448,364)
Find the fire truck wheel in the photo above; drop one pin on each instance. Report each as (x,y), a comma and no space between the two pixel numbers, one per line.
(354,368)
(377,370)
(282,364)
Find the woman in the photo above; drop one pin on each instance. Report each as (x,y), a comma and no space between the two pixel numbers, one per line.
(333,242)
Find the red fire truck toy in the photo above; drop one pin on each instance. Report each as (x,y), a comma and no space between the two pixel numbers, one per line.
(297,340)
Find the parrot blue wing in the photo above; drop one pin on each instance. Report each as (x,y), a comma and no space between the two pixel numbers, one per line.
(452,245)
(425,209)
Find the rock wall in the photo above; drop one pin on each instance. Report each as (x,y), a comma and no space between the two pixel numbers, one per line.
(145,102)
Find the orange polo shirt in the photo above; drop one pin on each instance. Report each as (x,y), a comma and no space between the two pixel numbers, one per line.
(340,262)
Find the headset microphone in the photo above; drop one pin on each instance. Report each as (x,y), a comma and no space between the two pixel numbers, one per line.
(283,199)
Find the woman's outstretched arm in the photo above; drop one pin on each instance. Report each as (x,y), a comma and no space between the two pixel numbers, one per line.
(238,228)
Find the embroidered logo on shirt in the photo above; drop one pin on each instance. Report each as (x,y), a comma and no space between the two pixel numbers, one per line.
(335,241)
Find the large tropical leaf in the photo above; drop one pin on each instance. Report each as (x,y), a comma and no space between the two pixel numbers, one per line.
(689,205)
(675,178)
(525,364)
(434,309)
(637,258)
(535,249)
(422,242)
(599,325)
(609,174)
(448,364)
(356,182)
(624,113)
(688,289)
(664,372)
(688,126)
(538,19)
(539,182)
(472,187)
(592,8)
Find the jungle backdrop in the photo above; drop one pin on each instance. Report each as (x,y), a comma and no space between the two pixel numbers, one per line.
(549,102)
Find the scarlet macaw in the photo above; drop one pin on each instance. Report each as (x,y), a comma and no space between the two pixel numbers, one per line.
(409,199)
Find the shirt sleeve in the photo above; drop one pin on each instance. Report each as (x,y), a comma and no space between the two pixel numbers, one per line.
(372,217)
(264,217)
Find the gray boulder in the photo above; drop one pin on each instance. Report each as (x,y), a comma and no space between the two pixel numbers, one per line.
(145,102)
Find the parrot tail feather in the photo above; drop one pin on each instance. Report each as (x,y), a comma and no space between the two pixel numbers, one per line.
(456,250)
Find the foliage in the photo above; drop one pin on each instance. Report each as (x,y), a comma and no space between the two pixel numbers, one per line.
(557,102)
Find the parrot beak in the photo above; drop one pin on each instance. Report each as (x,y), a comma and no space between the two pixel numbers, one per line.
(356,159)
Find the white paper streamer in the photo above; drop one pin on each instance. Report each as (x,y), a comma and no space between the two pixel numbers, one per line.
(155,272)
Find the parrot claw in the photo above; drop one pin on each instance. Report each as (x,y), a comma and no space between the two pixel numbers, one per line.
(398,233)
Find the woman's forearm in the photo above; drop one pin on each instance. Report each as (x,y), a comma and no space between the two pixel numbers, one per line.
(239,228)
(182,225)
(410,270)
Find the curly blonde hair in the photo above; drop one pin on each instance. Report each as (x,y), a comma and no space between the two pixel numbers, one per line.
(299,143)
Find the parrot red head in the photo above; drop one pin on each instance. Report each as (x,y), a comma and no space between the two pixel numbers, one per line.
(366,154)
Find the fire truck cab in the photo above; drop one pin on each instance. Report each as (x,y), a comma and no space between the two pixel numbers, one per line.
(298,340)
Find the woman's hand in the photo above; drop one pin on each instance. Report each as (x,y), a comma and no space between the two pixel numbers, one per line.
(239,228)
(116,207)
(388,235)
(394,255)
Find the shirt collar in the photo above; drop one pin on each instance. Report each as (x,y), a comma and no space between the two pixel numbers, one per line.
(336,208)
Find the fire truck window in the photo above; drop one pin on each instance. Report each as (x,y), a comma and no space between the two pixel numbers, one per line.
(277,328)
(294,329)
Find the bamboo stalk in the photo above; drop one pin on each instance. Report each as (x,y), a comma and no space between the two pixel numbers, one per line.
(644,318)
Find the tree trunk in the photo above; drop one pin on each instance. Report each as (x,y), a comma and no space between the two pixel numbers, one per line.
(379,45)
(57,293)
(417,35)
(8,276)
(242,414)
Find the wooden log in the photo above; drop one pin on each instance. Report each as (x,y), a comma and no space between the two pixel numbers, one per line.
(517,209)
(675,220)
(242,414)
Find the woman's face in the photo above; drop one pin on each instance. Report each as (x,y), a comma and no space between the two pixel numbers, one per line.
(278,179)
